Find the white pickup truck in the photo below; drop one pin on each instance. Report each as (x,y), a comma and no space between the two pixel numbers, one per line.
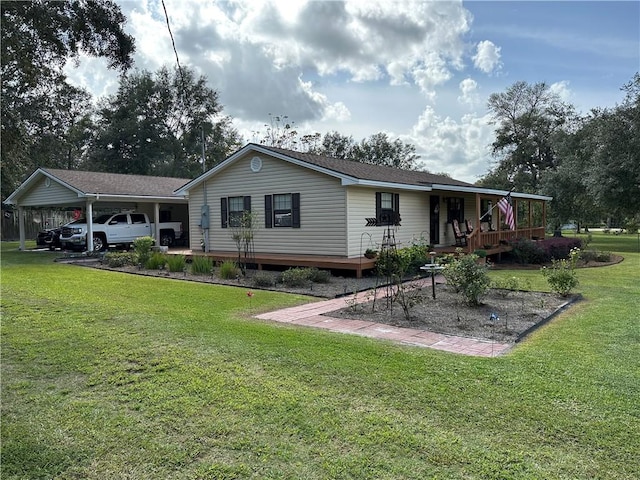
(117,229)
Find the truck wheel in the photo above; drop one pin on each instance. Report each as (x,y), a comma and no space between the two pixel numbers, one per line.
(166,239)
(99,243)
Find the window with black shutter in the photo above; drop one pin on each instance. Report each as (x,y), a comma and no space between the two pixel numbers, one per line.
(387,209)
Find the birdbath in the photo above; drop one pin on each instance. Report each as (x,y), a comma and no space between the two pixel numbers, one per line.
(432,268)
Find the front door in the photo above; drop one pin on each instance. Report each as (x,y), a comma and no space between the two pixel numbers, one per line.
(434,220)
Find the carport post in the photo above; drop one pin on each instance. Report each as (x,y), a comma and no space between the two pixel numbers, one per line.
(21,214)
(89,226)
(156,219)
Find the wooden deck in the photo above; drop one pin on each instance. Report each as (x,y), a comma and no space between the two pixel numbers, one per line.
(357,265)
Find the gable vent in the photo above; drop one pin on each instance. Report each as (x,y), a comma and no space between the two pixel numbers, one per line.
(256,164)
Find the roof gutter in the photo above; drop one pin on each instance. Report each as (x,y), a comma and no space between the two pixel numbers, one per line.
(489,191)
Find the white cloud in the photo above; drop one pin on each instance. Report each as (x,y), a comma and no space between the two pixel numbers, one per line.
(468,92)
(487,57)
(562,90)
(459,148)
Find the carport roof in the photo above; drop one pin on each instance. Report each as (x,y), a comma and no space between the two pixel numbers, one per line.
(101,184)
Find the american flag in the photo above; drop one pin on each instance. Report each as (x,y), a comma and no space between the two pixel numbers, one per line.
(506,207)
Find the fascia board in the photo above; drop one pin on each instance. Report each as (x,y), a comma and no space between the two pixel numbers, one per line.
(489,191)
(378,184)
(138,198)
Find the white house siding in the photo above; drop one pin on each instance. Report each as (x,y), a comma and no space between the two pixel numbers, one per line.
(54,194)
(322,208)
(196,200)
(414,212)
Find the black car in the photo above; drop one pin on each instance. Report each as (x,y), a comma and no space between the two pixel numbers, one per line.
(49,238)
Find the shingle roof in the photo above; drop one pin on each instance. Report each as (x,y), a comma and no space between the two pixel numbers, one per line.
(117,183)
(364,171)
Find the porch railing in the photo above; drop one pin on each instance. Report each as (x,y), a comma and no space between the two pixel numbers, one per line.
(480,240)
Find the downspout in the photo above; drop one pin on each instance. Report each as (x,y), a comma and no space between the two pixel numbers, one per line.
(204,192)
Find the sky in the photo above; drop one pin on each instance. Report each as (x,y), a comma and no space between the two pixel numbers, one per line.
(419,71)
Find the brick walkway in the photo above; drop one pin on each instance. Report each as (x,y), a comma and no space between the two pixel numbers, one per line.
(312,315)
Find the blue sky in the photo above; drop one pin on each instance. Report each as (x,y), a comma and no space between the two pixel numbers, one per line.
(419,71)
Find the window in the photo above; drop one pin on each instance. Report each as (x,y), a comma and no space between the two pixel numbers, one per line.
(232,210)
(138,218)
(387,208)
(282,210)
(119,220)
(455,209)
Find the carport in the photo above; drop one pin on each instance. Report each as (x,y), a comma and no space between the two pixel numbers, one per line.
(90,192)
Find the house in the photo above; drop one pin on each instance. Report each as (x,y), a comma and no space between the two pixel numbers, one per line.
(92,193)
(315,210)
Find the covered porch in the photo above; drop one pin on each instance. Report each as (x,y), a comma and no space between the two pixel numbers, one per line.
(486,225)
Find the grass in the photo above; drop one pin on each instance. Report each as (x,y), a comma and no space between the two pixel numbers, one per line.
(106,375)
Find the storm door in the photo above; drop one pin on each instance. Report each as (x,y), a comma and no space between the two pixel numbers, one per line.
(434,220)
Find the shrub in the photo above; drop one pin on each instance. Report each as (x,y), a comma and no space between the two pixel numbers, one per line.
(119,259)
(527,251)
(296,277)
(156,261)
(262,279)
(142,247)
(468,278)
(176,263)
(319,276)
(561,276)
(559,247)
(603,257)
(228,270)
(201,265)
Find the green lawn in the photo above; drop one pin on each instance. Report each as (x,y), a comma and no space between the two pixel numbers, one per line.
(110,376)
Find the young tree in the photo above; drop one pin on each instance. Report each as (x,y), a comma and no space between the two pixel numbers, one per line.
(38,39)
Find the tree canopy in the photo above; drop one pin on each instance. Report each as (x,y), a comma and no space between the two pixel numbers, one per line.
(155,123)
(39,108)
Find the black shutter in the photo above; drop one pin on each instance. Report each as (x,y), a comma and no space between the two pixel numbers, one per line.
(379,207)
(295,210)
(247,209)
(224,212)
(396,209)
(268,212)
(461,214)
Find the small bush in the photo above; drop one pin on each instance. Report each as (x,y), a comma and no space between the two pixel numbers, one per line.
(527,251)
(142,248)
(296,277)
(228,270)
(319,276)
(603,257)
(561,276)
(201,265)
(119,259)
(468,278)
(176,263)
(262,279)
(156,261)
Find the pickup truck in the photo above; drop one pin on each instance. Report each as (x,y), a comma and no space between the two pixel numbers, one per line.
(117,229)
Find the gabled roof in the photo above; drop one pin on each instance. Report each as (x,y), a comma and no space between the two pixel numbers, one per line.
(350,172)
(356,173)
(100,184)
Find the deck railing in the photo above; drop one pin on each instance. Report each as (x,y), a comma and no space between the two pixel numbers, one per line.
(479,240)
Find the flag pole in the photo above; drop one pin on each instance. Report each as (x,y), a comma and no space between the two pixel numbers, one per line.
(496,204)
